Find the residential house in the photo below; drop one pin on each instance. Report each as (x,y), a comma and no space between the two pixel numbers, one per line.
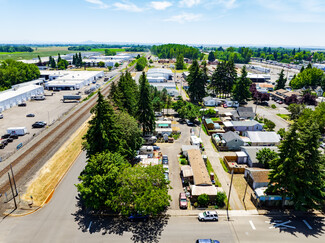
(231,140)
(246,112)
(263,138)
(257,178)
(163,127)
(209,101)
(251,152)
(249,125)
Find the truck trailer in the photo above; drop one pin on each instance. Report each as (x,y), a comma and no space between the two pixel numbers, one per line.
(20,131)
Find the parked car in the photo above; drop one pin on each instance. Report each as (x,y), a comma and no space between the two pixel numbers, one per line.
(224,105)
(5,142)
(138,217)
(166,176)
(30,115)
(182,201)
(2,145)
(10,140)
(165,159)
(166,168)
(207,241)
(22,104)
(1,116)
(7,135)
(13,136)
(156,148)
(189,123)
(39,124)
(208,216)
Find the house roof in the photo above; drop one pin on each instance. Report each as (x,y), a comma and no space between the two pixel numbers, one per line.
(208,121)
(187,171)
(200,172)
(209,190)
(188,147)
(229,136)
(248,123)
(263,137)
(252,150)
(245,112)
(260,175)
(228,124)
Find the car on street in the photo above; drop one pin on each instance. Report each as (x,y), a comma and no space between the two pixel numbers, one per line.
(156,148)
(30,115)
(166,168)
(13,136)
(165,159)
(182,201)
(138,217)
(207,241)
(22,104)
(166,174)
(39,124)
(224,105)
(7,135)
(1,116)
(208,216)
(189,123)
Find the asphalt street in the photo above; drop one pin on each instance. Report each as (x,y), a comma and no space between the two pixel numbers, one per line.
(63,220)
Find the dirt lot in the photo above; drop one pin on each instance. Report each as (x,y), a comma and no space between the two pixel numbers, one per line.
(239,183)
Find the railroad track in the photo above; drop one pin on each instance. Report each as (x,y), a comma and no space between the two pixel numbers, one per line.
(52,139)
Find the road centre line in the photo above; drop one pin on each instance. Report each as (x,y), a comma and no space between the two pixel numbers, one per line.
(252,225)
(307,224)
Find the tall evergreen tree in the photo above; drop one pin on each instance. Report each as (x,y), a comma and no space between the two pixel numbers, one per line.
(59,57)
(217,83)
(241,89)
(53,64)
(146,115)
(128,92)
(80,59)
(180,62)
(103,133)
(230,77)
(196,83)
(74,60)
(281,82)
(211,57)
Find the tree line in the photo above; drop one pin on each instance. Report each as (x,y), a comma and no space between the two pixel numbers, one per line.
(13,72)
(15,48)
(130,48)
(112,180)
(174,50)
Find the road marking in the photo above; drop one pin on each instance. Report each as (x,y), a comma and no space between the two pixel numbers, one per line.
(90,225)
(252,225)
(281,225)
(308,225)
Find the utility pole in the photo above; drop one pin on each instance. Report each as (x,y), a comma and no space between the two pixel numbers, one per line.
(13,178)
(232,176)
(12,191)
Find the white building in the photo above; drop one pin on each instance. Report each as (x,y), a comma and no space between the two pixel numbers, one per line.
(160,72)
(169,86)
(69,80)
(19,94)
(94,62)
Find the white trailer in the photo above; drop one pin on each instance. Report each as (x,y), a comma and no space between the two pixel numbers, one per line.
(20,131)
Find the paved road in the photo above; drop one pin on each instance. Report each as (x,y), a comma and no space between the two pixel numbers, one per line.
(63,221)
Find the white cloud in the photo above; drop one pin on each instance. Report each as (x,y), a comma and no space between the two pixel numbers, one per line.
(127,6)
(160,5)
(189,3)
(184,17)
(98,3)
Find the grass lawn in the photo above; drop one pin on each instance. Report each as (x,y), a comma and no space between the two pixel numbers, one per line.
(284,116)
(225,168)
(210,170)
(41,51)
(5,53)
(103,49)
(185,93)
(215,119)
(203,127)
(239,183)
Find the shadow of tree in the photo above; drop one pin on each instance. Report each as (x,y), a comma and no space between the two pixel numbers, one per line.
(148,231)
(299,221)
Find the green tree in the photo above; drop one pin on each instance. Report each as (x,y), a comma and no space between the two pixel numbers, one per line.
(101,64)
(103,133)
(142,190)
(98,187)
(59,57)
(169,103)
(141,64)
(63,64)
(180,62)
(196,83)
(203,200)
(241,89)
(281,132)
(53,63)
(211,57)
(116,65)
(145,113)
(157,104)
(308,77)
(265,156)
(281,82)
(188,111)
(127,94)
(131,136)
(296,110)
(220,199)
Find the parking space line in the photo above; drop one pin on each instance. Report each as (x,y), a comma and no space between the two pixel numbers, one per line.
(252,225)
(308,225)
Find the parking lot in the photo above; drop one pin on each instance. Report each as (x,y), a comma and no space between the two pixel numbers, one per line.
(48,110)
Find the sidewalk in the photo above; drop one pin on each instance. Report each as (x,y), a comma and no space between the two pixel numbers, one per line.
(224,178)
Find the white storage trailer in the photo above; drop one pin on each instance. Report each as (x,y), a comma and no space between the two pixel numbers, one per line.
(20,131)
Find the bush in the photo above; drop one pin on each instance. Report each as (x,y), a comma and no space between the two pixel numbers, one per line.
(273,106)
(220,199)
(195,205)
(203,200)
(184,162)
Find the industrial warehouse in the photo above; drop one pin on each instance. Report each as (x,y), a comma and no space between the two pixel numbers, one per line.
(69,80)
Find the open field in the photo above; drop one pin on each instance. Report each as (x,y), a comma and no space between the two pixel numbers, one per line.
(112,49)
(6,53)
(41,51)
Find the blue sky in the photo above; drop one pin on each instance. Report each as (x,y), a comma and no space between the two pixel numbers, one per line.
(250,22)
